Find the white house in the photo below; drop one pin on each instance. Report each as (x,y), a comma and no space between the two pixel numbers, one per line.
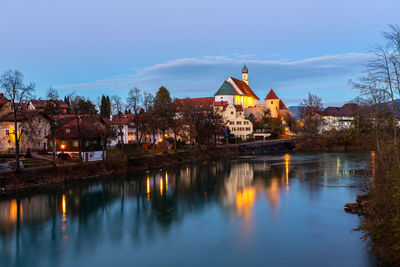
(338,118)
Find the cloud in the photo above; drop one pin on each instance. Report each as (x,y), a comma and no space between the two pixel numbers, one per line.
(195,77)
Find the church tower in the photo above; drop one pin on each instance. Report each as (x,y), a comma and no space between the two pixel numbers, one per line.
(245,74)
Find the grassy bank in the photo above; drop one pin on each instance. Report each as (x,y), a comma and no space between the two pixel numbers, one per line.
(35,179)
(337,141)
(380,207)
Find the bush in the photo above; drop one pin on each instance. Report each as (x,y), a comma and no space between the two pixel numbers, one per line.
(28,153)
(382,218)
(64,156)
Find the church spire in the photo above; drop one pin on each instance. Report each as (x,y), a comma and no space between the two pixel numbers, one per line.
(245,74)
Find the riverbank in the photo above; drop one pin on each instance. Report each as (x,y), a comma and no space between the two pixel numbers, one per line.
(37,179)
(379,207)
(336,142)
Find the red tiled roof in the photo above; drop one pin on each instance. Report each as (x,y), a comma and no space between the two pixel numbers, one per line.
(199,102)
(42,103)
(244,88)
(3,100)
(345,110)
(220,103)
(271,95)
(21,116)
(282,105)
(70,129)
(123,119)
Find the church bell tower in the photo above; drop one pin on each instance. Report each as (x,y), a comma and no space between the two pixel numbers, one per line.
(245,74)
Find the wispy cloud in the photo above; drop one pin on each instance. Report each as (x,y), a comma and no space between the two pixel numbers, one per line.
(202,76)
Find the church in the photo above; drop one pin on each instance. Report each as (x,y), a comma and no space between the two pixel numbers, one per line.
(238,93)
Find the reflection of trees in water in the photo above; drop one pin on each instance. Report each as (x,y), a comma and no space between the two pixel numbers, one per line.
(141,209)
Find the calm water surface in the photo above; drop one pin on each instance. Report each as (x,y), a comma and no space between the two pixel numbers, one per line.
(269,210)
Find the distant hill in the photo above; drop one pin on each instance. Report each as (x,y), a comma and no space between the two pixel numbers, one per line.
(295,111)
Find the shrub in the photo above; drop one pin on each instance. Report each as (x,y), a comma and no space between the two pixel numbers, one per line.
(28,153)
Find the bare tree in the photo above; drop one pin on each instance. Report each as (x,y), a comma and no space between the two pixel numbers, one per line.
(310,113)
(139,105)
(118,106)
(81,107)
(50,111)
(19,94)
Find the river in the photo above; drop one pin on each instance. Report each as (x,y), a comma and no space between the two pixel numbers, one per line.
(262,210)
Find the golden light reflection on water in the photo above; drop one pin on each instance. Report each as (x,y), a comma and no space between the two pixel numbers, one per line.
(161,186)
(148,187)
(337,166)
(287,161)
(64,205)
(274,192)
(245,201)
(14,210)
(166,181)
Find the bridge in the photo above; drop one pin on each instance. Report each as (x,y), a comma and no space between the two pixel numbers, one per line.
(268,145)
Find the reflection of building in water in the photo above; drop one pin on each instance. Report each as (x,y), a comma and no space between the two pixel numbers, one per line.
(31,210)
(240,177)
(273,191)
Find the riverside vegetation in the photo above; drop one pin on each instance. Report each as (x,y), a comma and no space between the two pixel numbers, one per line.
(36,179)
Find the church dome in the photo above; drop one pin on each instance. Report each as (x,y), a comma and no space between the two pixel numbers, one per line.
(245,70)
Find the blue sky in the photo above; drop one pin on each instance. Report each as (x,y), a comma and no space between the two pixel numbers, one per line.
(94,47)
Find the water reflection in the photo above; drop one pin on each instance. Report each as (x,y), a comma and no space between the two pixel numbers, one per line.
(63,228)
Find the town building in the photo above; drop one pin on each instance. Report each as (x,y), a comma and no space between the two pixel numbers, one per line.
(67,137)
(338,118)
(237,92)
(32,128)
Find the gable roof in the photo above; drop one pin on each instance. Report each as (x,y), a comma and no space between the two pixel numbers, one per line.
(282,105)
(345,110)
(21,116)
(244,88)
(201,103)
(271,95)
(42,103)
(69,130)
(3,100)
(226,89)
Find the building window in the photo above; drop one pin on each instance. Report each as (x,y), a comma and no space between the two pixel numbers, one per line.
(231,112)
(246,123)
(238,122)
(38,120)
(45,132)
(86,143)
(39,132)
(38,144)
(247,128)
(7,132)
(75,143)
(94,142)
(67,130)
(272,102)
(232,123)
